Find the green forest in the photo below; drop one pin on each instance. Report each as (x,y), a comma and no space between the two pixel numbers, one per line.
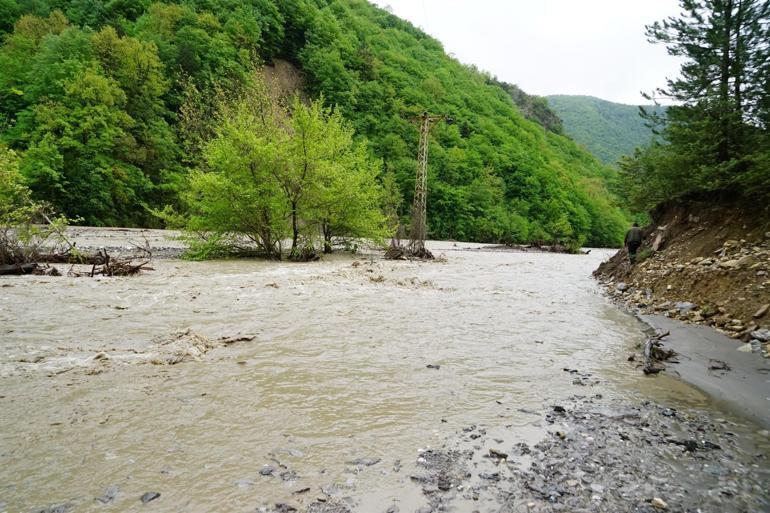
(608,130)
(127,113)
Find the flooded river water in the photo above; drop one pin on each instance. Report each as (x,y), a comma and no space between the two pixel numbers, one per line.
(126,383)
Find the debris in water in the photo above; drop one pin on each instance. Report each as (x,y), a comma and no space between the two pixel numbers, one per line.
(718,365)
(366,462)
(497,455)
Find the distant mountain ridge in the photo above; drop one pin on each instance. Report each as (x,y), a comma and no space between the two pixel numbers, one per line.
(607,129)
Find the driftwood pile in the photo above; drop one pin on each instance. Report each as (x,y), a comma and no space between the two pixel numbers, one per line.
(399,252)
(101,262)
(655,354)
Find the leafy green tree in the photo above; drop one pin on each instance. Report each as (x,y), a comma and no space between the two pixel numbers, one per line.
(137,68)
(13,192)
(19,50)
(328,182)
(272,172)
(9,11)
(27,227)
(345,198)
(236,193)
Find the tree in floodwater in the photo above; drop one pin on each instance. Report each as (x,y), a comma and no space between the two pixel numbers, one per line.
(332,183)
(234,194)
(272,172)
(716,136)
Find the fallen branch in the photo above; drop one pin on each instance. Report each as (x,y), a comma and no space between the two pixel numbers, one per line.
(655,354)
(106,265)
(29,268)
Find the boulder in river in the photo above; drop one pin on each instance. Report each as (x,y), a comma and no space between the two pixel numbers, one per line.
(110,494)
(149,496)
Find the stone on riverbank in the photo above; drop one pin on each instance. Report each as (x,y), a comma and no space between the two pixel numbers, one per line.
(611,458)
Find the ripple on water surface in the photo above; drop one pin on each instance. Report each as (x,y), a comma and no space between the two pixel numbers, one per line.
(337,371)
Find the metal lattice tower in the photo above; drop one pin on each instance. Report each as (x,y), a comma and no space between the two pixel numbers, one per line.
(419,207)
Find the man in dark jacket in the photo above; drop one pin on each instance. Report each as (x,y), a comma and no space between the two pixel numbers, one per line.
(633,241)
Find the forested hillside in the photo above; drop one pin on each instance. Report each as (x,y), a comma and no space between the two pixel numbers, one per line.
(534,108)
(96,101)
(609,130)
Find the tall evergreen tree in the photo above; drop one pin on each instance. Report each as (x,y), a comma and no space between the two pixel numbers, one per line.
(718,131)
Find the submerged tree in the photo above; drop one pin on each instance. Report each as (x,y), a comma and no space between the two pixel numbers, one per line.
(234,195)
(331,182)
(272,172)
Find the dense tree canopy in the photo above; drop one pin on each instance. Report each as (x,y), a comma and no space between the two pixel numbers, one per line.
(96,98)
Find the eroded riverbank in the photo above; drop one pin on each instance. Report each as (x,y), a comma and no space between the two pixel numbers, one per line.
(328,385)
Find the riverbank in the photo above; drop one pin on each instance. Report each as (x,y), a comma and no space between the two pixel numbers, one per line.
(600,456)
(702,263)
(127,241)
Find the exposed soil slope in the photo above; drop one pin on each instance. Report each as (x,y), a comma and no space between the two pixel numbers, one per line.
(704,261)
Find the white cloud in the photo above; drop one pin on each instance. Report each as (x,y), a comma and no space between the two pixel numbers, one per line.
(591,47)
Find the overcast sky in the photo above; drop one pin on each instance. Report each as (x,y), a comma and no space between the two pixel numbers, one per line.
(590,47)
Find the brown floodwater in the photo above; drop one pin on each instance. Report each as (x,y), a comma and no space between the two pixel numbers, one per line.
(335,371)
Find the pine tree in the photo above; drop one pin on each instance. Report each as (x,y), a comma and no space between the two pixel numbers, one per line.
(722,93)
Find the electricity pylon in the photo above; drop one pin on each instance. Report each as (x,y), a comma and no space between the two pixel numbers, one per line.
(419,207)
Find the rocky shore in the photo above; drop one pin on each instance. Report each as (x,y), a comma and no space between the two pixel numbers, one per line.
(709,269)
(598,456)
(601,456)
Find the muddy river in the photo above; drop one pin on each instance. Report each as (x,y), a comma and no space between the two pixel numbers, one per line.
(238,385)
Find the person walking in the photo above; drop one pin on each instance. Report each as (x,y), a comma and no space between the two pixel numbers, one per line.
(632,241)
